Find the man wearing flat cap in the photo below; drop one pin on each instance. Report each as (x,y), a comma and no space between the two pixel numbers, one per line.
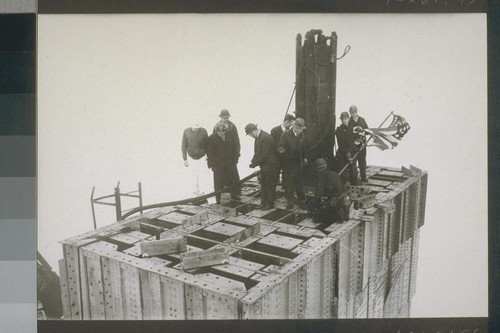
(292,147)
(358,125)
(346,148)
(266,157)
(222,157)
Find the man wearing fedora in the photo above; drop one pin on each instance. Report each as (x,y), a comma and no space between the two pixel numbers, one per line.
(277,132)
(292,147)
(232,132)
(265,156)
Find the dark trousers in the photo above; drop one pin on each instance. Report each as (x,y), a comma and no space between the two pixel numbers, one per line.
(351,169)
(292,179)
(226,176)
(361,159)
(268,181)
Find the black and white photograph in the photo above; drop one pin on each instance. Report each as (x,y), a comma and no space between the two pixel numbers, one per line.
(262,166)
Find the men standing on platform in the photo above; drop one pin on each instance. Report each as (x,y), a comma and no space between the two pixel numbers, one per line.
(194,142)
(292,147)
(277,132)
(222,158)
(358,126)
(265,156)
(346,149)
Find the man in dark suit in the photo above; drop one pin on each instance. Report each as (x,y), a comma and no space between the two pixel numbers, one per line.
(231,129)
(358,125)
(276,133)
(222,158)
(292,147)
(346,149)
(265,156)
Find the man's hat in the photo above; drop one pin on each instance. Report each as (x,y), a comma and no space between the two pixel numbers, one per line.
(250,128)
(345,115)
(299,123)
(320,163)
(224,113)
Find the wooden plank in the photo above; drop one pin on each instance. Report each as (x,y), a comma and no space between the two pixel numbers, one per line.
(210,257)
(65,299)
(164,246)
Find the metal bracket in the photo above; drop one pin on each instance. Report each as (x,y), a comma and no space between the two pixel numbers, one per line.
(164,246)
(210,257)
(224,210)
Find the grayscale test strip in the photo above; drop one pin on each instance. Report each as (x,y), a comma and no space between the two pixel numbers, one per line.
(18,305)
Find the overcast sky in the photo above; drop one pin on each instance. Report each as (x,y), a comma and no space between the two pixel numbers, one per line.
(116,91)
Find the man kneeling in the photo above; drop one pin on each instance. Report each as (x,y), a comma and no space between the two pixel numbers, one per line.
(330,203)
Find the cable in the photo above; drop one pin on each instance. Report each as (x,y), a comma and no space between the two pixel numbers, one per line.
(190,200)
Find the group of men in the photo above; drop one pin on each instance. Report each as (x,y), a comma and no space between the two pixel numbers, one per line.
(283,151)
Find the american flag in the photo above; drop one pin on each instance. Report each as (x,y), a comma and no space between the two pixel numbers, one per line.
(388,137)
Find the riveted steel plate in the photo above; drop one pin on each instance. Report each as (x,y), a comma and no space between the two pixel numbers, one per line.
(221,283)
(244,220)
(235,270)
(312,242)
(133,251)
(280,241)
(125,238)
(138,234)
(224,229)
(391,173)
(173,217)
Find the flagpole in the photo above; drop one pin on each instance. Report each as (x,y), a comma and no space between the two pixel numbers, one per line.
(364,145)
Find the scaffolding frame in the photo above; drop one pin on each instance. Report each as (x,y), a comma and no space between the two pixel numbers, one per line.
(117,195)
